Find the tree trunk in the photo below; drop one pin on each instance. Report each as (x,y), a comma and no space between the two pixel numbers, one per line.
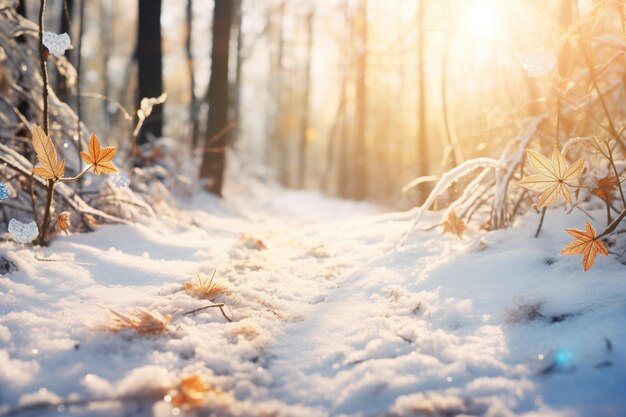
(361,168)
(213,161)
(422,132)
(238,72)
(66,23)
(304,125)
(193,102)
(150,65)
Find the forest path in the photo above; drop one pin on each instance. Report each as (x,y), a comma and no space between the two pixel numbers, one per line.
(325,359)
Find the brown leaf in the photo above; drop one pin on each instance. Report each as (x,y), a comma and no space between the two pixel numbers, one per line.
(605,187)
(192,392)
(63,222)
(99,158)
(553,176)
(586,244)
(453,224)
(49,167)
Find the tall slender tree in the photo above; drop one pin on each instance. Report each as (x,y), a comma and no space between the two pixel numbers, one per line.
(193,102)
(66,26)
(422,132)
(150,65)
(217,134)
(304,123)
(361,171)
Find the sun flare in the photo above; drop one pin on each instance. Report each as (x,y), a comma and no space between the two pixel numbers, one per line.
(482,19)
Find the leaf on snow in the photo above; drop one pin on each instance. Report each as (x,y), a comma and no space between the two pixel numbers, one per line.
(553,177)
(586,244)
(192,392)
(453,224)
(49,167)
(99,158)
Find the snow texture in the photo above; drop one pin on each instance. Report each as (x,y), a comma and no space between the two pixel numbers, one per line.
(327,320)
(120,180)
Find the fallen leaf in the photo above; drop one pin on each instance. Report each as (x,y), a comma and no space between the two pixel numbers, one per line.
(453,224)
(553,176)
(586,244)
(252,242)
(192,392)
(49,167)
(99,158)
(63,223)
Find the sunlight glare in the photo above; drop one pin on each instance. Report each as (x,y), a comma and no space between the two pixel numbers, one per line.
(482,18)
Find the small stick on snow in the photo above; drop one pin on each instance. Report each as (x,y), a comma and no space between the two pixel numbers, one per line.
(220,306)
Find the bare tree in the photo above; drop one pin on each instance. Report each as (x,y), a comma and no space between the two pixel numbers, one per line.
(422,131)
(304,125)
(213,161)
(150,65)
(361,167)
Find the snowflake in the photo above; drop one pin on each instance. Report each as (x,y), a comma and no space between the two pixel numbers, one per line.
(23,232)
(120,180)
(4,191)
(57,44)
(538,63)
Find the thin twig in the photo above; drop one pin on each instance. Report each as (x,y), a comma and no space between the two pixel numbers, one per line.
(220,306)
(543,215)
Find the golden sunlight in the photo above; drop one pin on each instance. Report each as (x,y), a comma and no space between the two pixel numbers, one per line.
(482,18)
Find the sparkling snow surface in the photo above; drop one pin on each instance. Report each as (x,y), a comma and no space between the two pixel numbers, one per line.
(329,319)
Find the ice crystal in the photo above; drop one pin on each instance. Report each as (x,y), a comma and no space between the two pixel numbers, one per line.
(57,44)
(23,232)
(4,191)
(120,180)
(538,63)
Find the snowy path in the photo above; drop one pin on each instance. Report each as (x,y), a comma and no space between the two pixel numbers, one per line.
(330,319)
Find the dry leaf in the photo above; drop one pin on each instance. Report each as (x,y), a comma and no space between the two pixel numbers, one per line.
(252,242)
(586,244)
(453,224)
(553,176)
(205,287)
(49,167)
(192,392)
(605,187)
(140,320)
(63,222)
(99,158)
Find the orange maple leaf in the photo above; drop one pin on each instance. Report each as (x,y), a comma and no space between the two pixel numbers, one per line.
(553,176)
(99,158)
(453,224)
(63,222)
(192,392)
(605,187)
(49,167)
(586,244)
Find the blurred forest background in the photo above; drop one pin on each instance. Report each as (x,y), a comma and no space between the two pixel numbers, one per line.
(352,97)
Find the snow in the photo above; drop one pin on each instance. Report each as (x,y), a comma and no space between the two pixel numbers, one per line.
(330,318)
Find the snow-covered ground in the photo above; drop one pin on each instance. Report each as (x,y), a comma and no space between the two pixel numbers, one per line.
(330,317)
